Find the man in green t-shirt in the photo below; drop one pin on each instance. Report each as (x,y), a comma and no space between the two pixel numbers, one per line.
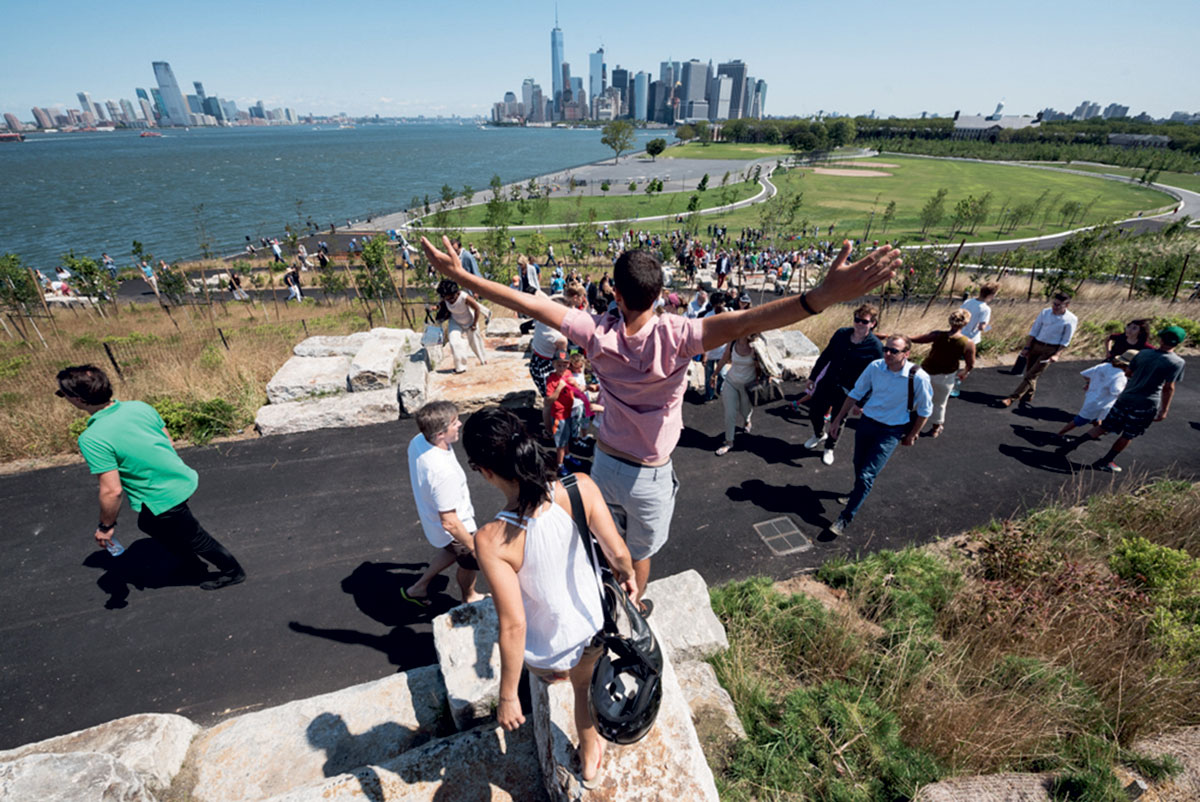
(127,446)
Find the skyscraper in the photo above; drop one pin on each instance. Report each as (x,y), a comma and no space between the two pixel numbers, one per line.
(12,122)
(160,108)
(639,106)
(596,82)
(127,111)
(720,90)
(693,81)
(527,97)
(736,70)
(85,103)
(556,65)
(168,88)
(620,82)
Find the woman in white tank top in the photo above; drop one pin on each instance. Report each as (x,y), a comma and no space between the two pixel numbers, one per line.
(743,369)
(463,328)
(546,592)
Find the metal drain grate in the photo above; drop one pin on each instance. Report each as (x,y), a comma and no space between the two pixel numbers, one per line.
(782,536)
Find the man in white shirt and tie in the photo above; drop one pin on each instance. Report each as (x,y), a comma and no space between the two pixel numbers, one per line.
(1048,338)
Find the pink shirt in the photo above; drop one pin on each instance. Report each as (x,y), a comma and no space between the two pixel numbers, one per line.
(642,377)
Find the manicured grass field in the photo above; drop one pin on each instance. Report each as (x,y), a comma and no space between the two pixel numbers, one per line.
(725,150)
(1184,180)
(847,202)
(637,205)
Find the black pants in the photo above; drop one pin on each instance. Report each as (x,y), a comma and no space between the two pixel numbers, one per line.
(182,534)
(827,398)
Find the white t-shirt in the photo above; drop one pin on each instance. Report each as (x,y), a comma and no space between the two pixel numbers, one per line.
(439,484)
(981,314)
(717,352)
(1105,383)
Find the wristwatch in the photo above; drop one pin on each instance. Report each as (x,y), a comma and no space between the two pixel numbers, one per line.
(106,527)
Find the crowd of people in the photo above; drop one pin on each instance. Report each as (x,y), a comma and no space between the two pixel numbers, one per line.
(611,358)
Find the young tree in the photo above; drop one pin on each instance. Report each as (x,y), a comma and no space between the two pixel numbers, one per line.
(17,287)
(655,147)
(933,211)
(703,185)
(91,279)
(703,131)
(889,214)
(685,132)
(841,131)
(618,135)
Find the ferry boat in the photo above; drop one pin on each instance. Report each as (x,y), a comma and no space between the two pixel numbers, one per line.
(149,133)
(14,136)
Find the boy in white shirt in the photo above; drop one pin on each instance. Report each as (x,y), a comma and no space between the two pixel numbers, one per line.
(439,487)
(981,313)
(1101,385)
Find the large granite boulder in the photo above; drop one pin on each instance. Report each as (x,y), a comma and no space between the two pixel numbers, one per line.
(1010,787)
(375,362)
(331,345)
(71,777)
(412,378)
(791,343)
(468,648)
(485,764)
(713,714)
(503,327)
(683,615)
(270,752)
(307,376)
(337,412)
(153,745)
(667,764)
(1183,745)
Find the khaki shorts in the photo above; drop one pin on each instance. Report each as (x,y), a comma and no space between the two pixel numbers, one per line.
(590,652)
(462,555)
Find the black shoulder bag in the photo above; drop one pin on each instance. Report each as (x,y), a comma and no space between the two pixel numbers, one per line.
(626,689)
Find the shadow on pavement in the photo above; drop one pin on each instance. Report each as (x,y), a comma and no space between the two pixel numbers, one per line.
(1036,458)
(799,500)
(1048,414)
(1037,438)
(144,565)
(375,587)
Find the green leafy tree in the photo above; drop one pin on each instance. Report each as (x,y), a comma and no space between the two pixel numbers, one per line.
(617,135)
(693,203)
(933,211)
(841,131)
(703,185)
(17,287)
(91,279)
(703,131)
(685,132)
(171,283)
(656,146)
(889,214)
(496,218)
(633,186)
(605,186)
(540,206)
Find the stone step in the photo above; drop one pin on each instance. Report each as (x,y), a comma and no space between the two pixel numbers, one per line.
(271,752)
(485,764)
(331,345)
(666,764)
(71,777)
(307,376)
(150,745)
(334,412)
(374,365)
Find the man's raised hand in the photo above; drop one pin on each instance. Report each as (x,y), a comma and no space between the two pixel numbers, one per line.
(846,282)
(445,262)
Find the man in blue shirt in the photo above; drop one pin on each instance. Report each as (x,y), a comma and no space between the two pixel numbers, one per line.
(901,400)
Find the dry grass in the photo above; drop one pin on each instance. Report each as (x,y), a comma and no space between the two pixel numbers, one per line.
(158,359)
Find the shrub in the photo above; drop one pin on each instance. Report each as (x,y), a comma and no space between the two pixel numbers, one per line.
(899,590)
(196,420)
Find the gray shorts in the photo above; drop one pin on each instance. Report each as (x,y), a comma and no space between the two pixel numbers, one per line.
(641,500)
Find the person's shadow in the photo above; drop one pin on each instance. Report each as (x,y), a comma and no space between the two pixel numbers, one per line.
(375,587)
(800,500)
(1049,414)
(144,565)
(1037,438)
(1036,458)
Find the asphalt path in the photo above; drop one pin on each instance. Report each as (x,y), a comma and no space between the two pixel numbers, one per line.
(325,524)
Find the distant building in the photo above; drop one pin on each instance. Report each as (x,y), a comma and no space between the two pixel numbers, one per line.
(12,122)
(1139,140)
(597,80)
(738,95)
(527,96)
(168,88)
(693,83)
(1086,111)
(556,67)
(127,111)
(1115,110)
(974,126)
(114,112)
(42,117)
(719,94)
(620,82)
(147,110)
(159,106)
(640,100)
(85,103)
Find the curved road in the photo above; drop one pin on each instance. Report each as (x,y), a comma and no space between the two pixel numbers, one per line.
(324,523)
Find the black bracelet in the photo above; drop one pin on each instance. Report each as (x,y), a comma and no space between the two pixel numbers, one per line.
(106,528)
(805,306)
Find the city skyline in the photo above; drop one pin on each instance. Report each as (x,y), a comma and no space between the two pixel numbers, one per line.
(894,59)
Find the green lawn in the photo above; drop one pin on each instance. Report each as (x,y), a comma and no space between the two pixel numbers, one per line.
(614,207)
(846,202)
(725,150)
(1184,180)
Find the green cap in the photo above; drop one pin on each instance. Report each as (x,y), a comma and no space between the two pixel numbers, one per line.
(1175,333)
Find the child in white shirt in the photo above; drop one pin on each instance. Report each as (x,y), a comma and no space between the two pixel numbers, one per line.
(1101,384)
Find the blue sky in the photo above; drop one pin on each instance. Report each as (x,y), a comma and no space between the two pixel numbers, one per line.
(408,58)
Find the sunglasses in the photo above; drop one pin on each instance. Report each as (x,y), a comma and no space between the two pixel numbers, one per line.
(472,465)
(863,320)
(61,394)
(887,349)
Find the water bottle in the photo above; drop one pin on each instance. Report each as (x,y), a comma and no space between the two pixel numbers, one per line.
(957,387)
(115,548)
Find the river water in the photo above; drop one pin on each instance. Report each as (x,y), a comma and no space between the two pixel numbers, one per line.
(94,192)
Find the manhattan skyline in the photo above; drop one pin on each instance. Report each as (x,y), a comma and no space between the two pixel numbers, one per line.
(381,58)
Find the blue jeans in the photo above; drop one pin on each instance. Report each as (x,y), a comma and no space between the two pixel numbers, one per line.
(710,367)
(874,443)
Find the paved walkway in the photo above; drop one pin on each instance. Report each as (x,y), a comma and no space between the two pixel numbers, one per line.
(324,523)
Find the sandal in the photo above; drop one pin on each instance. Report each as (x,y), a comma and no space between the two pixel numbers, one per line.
(936,431)
(420,601)
(723,450)
(594,783)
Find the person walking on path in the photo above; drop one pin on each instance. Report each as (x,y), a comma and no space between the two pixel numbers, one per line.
(545,590)
(981,312)
(235,286)
(712,378)
(151,279)
(463,328)
(291,278)
(950,348)
(848,353)
(743,369)
(1146,399)
(901,399)
(439,487)
(641,359)
(1048,338)
(1102,384)
(126,445)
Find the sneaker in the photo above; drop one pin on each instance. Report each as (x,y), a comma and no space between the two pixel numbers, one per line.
(563,471)
(827,457)
(1107,467)
(838,527)
(815,442)
(224,580)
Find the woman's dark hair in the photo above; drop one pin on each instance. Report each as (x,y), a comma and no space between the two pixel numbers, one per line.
(494,438)
(447,288)
(1143,330)
(88,383)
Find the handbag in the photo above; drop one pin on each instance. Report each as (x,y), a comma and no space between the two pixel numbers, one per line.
(626,689)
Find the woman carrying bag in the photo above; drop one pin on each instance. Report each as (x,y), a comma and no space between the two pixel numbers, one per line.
(544,585)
